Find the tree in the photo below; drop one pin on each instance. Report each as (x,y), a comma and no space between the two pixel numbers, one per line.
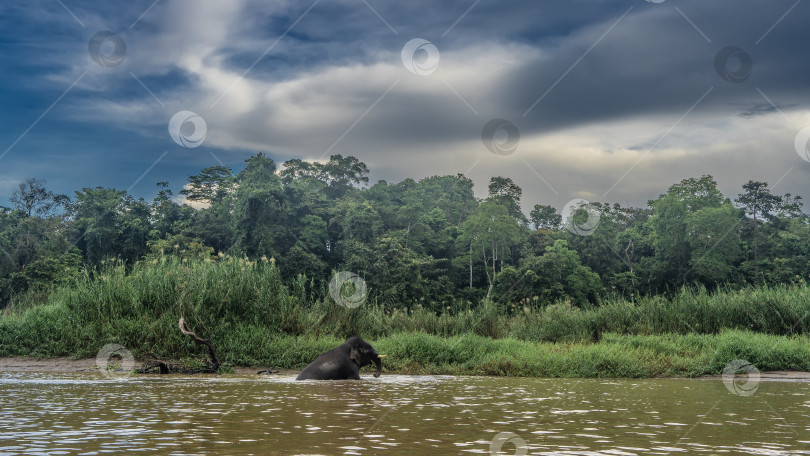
(339,173)
(297,169)
(545,217)
(614,245)
(399,276)
(108,223)
(342,172)
(556,275)
(314,234)
(300,261)
(260,213)
(358,220)
(504,187)
(491,232)
(714,245)
(97,214)
(696,193)
(33,198)
(758,202)
(504,191)
(669,230)
(210,185)
(35,254)
(427,207)
(166,216)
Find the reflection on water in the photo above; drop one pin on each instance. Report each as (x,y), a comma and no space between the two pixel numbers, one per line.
(396,415)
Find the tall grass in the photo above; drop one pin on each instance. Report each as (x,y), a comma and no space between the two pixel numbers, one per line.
(256,318)
(614,356)
(779,310)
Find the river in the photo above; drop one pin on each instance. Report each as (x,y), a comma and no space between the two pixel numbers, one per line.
(397,415)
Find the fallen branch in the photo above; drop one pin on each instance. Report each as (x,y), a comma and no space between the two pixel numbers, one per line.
(149,365)
(162,366)
(214,362)
(167,368)
(159,366)
(268,372)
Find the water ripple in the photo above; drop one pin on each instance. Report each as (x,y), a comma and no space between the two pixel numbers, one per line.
(395,415)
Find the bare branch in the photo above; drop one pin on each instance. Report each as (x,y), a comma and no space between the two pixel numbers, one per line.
(188,332)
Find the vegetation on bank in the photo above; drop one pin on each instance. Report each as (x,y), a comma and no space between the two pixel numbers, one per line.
(447,282)
(630,356)
(255,318)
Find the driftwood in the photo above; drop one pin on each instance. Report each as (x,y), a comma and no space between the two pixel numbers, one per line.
(268,372)
(162,367)
(149,365)
(167,368)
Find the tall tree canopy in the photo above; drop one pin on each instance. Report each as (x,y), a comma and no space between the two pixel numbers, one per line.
(428,242)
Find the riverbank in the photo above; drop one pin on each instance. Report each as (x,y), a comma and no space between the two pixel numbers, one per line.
(256,320)
(138,307)
(614,356)
(65,365)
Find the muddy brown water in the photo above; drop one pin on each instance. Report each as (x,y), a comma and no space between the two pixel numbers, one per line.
(90,413)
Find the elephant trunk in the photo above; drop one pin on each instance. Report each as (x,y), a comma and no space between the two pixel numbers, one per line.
(378,363)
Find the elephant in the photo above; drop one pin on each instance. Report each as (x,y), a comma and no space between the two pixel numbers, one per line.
(343,362)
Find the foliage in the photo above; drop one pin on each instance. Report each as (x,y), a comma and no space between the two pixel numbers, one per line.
(426,243)
(258,321)
(491,232)
(248,306)
(674,288)
(32,198)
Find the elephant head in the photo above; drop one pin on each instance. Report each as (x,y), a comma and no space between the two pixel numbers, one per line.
(362,353)
(343,362)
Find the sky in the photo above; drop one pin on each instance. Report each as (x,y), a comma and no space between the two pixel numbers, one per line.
(609,101)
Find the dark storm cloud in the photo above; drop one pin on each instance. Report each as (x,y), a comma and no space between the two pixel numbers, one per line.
(655,61)
(296,80)
(652,62)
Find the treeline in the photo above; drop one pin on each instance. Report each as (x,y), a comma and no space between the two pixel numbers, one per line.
(430,242)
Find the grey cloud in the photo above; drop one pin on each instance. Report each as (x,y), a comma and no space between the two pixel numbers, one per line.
(762,109)
(500,58)
(654,62)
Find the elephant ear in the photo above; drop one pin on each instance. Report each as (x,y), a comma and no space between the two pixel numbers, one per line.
(354,355)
